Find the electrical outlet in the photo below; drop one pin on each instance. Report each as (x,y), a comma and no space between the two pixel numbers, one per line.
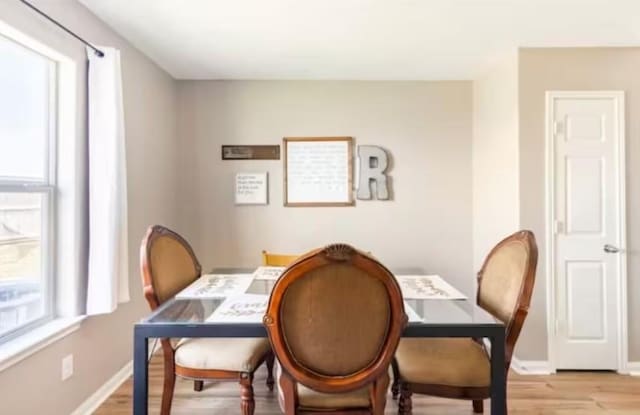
(67,367)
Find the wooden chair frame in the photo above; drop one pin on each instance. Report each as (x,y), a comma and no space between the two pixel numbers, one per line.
(513,328)
(277,260)
(375,374)
(171,369)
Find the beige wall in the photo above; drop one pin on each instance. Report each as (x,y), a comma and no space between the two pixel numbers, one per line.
(103,344)
(575,69)
(425,127)
(495,156)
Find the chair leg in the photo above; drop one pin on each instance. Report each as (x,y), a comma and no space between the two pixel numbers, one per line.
(247,403)
(404,403)
(270,361)
(379,395)
(198,385)
(395,385)
(169,385)
(478,406)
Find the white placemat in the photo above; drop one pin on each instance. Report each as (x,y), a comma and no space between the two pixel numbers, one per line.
(427,287)
(268,273)
(217,286)
(242,308)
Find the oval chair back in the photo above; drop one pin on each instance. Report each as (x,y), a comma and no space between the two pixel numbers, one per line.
(505,283)
(168,265)
(335,318)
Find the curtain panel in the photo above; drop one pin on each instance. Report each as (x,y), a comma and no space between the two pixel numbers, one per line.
(108,280)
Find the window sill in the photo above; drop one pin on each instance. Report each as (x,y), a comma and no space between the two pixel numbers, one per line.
(24,346)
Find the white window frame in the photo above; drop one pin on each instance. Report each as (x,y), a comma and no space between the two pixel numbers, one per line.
(62,77)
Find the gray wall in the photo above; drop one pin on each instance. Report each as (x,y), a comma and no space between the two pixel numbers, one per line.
(495,155)
(575,69)
(103,344)
(425,126)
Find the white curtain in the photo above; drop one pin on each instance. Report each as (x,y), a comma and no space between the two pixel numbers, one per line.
(108,283)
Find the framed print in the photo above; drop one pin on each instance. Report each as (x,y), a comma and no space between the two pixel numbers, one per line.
(318,171)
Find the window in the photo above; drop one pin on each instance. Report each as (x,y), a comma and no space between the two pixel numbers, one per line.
(28,89)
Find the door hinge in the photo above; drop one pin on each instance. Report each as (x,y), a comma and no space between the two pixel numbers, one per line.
(558,227)
(557,127)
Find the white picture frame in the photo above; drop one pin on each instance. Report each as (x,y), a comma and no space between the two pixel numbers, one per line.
(318,171)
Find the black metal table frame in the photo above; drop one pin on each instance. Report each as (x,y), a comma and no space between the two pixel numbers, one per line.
(143,331)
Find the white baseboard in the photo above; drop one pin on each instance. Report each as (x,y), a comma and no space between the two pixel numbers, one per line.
(98,397)
(633,368)
(531,367)
(541,367)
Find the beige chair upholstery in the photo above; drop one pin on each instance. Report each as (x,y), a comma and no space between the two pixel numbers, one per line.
(309,399)
(233,354)
(313,400)
(450,362)
(168,265)
(502,279)
(334,319)
(330,330)
(172,267)
(460,368)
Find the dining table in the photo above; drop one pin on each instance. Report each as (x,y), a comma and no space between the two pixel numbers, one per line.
(190,317)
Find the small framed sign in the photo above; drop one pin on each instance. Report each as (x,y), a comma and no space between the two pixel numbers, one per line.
(251,189)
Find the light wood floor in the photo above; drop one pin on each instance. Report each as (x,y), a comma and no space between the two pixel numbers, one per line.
(562,394)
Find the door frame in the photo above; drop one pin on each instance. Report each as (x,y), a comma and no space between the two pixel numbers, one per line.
(550,177)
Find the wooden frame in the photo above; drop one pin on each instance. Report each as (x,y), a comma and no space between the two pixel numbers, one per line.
(250,152)
(375,374)
(513,328)
(171,369)
(349,202)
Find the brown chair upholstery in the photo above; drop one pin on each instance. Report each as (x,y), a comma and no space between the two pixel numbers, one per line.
(335,346)
(169,265)
(460,368)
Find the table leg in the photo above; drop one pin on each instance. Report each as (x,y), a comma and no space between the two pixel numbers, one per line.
(140,372)
(498,375)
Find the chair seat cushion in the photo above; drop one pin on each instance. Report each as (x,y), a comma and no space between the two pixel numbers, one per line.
(444,361)
(234,354)
(311,399)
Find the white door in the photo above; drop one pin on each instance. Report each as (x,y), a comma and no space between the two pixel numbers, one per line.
(587,224)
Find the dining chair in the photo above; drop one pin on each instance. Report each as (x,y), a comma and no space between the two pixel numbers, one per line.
(459,368)
(334,320)
(169,265)
(277,260)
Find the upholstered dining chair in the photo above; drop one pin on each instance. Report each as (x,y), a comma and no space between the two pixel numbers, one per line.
(277,260)
(169,265)
(334,320)
(458,367)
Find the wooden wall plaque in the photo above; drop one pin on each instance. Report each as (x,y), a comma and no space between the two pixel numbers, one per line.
(244,152)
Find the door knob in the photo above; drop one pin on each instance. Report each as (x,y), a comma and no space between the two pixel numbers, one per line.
(610,249)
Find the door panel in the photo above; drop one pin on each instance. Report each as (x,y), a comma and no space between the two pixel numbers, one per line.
(584,188)
(585,300)
(586,209)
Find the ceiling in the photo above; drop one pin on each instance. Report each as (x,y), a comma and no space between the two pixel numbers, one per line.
(358,39)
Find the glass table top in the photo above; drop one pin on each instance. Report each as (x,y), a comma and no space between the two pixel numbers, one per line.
(432,312)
